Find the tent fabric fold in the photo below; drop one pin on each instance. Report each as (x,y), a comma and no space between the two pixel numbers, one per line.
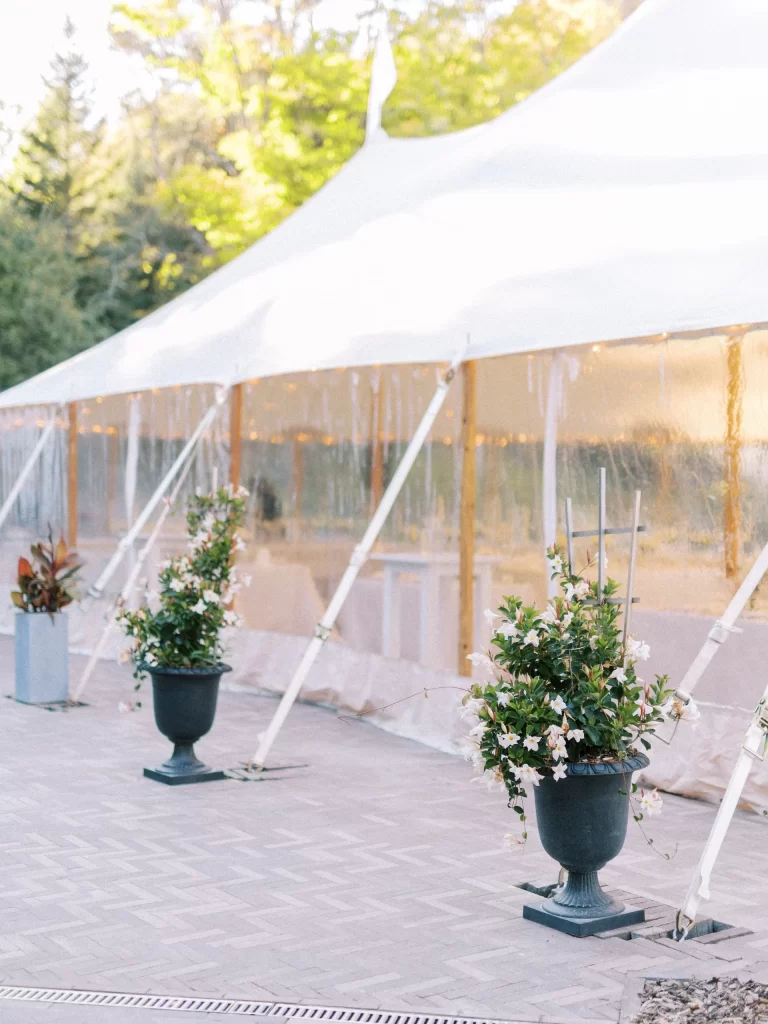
(624,200)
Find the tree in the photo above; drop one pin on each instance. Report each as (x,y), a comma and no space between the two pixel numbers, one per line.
(40,322)
(56,171)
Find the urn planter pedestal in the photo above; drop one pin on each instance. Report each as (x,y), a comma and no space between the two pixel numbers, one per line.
(42,657)
(582,822)
(185,706)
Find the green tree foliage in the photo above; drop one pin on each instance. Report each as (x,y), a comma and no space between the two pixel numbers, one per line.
(252,109)
(40,322)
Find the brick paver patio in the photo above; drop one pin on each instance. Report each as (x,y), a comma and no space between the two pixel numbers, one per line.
(374,877)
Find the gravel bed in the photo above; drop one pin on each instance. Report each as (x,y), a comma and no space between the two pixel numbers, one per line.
(724,1000)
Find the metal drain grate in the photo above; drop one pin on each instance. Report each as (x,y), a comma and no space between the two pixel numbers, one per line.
(240,1007)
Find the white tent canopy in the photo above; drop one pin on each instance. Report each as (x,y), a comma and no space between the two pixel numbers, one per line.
(625,199)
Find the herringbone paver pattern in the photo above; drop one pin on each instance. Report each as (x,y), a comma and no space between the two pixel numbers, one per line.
(374,877)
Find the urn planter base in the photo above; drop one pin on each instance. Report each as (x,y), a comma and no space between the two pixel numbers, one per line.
(582,921)
(162,774)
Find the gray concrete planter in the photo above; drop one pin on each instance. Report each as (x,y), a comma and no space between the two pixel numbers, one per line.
(42,657)
(582,822)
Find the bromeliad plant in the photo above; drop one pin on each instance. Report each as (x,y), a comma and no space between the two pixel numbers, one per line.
(48,582)
(561,685)
(195,590)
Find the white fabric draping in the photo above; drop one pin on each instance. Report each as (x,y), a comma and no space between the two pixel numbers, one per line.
(623,200)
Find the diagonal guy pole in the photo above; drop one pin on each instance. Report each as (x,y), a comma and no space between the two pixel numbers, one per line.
(359,555)
(98,587)
(27,468)
(130,583)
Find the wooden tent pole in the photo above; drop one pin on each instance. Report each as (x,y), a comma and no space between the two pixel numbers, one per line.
(235,434)
(467,517)
(72,476)
(733,444)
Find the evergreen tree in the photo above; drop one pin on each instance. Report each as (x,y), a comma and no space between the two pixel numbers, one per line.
(56,170)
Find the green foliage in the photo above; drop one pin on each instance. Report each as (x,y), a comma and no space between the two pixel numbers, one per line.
(40,320)
(562,686)
(184,631)
(49,582)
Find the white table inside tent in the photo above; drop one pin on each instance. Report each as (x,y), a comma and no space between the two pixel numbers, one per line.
(432,570)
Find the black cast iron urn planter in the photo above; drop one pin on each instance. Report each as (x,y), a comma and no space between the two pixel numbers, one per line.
(185,706)
(582,822)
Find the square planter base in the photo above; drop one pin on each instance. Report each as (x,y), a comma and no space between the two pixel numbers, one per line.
(174,779)
(583,926)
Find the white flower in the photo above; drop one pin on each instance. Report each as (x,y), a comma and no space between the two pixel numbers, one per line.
(209,521)
(471,708)
(490,616)
(200,608)
(556,563)
(619,674)
(238,544)
(651,803)
(526,773)
(567,619)
(549,614)
(232,619)
(491,777)
(559,771)
(512,841)
(122,707)
(246,579)
(210,597)
(481,661)
(593,642)
(559,751)
(637,651)
(579,590)
(149,658)
(553,731)
(177,586)
(502,698)
(558,705)
(507,630)
(577,735)
(199,540)
(507,740)
(479,729)
(531,637)
(532,742)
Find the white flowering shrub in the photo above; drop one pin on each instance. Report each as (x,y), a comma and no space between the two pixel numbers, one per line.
(195,590)
(561,686)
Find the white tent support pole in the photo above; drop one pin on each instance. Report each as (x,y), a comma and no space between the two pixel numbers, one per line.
(127,541)
(27,468)
(130,583)
(753,749)
(631,571)
(724,626)
(359,555)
